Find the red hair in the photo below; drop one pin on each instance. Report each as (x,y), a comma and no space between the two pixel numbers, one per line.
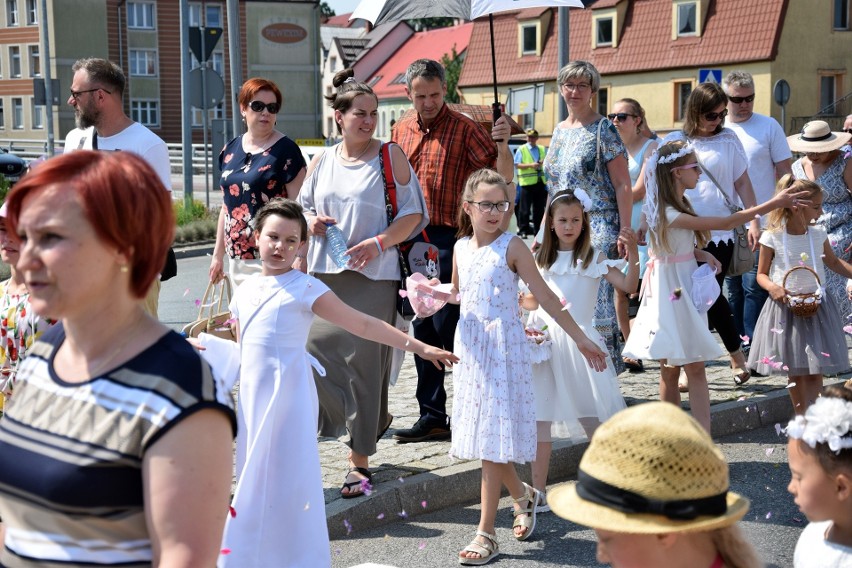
(123,200)
(253,86)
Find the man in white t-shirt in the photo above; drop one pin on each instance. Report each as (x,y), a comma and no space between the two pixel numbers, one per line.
(97,95)
(769,158)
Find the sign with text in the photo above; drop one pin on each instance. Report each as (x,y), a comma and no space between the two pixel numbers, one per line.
(284,32)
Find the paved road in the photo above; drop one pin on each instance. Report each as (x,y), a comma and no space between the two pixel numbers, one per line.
(758,462)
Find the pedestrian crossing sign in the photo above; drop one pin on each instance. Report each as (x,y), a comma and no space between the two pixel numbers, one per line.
(710,76)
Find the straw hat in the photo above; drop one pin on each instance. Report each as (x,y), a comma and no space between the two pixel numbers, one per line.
(817,137)
(650,469)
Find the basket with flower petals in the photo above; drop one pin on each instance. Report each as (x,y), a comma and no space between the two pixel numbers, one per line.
(802,304)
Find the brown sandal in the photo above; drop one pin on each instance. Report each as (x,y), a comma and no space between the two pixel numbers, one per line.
(742,378)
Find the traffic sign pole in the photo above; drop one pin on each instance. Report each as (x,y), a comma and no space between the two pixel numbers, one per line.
(204,117)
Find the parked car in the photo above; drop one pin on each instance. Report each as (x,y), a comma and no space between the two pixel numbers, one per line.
(11,166)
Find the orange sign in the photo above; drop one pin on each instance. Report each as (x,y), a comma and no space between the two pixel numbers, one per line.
(284,33)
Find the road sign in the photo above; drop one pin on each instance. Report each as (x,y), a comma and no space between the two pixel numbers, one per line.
(203,48)
(206,89)
(710,76)
(310,141)
(39,97)
(781,92)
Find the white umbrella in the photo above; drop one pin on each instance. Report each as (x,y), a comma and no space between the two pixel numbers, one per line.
(381,11)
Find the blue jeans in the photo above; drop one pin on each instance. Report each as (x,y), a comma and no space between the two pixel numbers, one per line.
(746,298)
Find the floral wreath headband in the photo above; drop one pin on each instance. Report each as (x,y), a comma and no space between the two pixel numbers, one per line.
(579,194)
(827,421)
(685,151)
(651,206)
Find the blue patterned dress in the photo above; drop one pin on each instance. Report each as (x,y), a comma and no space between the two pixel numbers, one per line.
(837,220)
(571,162)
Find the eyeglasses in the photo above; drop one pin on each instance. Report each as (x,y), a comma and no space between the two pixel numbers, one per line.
(488,207)
(713,116)
(76,94)
(577,87)
(685,166)
(741,100)
(258,106)
(621,116)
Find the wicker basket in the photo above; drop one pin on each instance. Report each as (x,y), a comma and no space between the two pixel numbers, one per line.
(805,304)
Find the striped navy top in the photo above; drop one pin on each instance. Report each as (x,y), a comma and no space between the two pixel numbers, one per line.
(71,454)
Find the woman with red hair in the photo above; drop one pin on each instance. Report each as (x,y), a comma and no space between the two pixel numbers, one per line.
(116,449)
(256,167)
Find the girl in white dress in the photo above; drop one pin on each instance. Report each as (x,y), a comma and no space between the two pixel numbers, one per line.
(820,460)
(278,512)
(565,388)
(493,402)
(669,328)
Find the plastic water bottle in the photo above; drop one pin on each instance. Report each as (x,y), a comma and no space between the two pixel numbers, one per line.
(336,245)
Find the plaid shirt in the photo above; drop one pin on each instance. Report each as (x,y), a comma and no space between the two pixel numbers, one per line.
(443,157)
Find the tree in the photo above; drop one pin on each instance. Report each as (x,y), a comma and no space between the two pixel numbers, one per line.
(424,24)
(452,63)
(326,11)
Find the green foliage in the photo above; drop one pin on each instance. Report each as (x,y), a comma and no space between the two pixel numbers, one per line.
(4,188)
(195,231)
(423,24)
(326,11)
(184,215)
(452,63)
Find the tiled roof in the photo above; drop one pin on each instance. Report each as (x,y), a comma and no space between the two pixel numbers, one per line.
(349,48)
(342,21)
(734,31)
(327,34)
(432,44)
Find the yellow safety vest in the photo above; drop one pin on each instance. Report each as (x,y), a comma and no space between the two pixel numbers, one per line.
(530,176)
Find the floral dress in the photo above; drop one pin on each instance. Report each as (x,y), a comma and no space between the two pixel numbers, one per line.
(19,328)
(572,162)
(250,180)
(837,220)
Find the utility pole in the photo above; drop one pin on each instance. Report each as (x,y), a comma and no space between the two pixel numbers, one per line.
(235,62)
(186,111)
(563,58)
(48,88)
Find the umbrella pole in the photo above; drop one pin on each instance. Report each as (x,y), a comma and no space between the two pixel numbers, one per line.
(495,107)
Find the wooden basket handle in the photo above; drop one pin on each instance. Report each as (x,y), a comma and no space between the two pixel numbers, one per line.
(789,272)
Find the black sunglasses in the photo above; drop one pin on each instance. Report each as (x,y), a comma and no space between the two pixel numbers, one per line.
(741,100)
(711,116)
(258,106)
(621,116)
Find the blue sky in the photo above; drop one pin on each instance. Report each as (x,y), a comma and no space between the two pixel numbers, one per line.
(342,6)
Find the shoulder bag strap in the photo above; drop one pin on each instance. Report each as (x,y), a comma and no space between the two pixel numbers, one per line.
(733,208)
(386,166)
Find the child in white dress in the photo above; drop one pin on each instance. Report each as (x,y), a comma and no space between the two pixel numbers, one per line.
(820,459)
(278,512)
(493,402)
(566,390)
(668,327)
(803,348)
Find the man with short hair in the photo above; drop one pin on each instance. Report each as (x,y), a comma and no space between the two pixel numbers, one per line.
(769,158)
(444,148)
(97,96)
(529,159)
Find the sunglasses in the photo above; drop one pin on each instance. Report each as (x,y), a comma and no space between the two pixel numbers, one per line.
(685,166)
(488,207)
(712,116)
(258,106)
(741,100)
(621,116)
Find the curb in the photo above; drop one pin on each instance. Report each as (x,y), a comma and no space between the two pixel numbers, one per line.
(460,483)
(194,249)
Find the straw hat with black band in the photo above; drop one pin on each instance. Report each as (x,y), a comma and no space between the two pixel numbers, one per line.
(816,137)
(650,469)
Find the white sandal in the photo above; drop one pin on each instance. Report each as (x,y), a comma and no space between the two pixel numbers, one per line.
(543,507)
(531,496)
(487,551)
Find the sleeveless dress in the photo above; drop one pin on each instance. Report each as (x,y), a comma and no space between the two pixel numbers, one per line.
(493,403)
(837,219)
(669,326)
(634,168)
(276,505)
(566,388)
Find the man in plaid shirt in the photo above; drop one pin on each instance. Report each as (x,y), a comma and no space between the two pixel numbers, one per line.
(444,148)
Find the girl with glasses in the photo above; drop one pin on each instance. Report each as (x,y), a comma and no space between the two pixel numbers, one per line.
(256,166)
(725,170)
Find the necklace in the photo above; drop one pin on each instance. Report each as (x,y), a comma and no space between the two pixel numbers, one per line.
(358,157)
(263,149)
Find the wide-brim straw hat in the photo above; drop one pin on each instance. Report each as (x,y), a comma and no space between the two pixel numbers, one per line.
(650,469)
(817,137)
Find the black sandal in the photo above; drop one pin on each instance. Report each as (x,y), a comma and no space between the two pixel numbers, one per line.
(742,378)
(348,485)
(633,365)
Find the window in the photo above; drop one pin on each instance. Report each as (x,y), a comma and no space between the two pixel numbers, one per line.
(37,115)
(198,115)
(842,9)
(14,61)
(2,116)
(602,100)
(32,12)
(604,32)
(12,13)
(146,113)
(212,15)
(332,64)
(143,62)
(529,39)
(398,80)
(329,127)
(18,113)
(830,84)
(140,15)
(687,19)
(35,61)
(682,92)
(372,82)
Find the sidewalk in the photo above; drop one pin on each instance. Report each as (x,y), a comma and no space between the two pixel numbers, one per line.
(408,479)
